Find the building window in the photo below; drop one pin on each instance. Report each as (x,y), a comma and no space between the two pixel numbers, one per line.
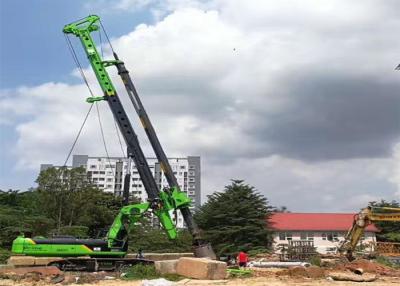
(183,167)
(285,236)
(333,236)
(323,235)
(92,166)
(306,236)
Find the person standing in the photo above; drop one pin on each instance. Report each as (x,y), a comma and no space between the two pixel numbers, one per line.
(242,259)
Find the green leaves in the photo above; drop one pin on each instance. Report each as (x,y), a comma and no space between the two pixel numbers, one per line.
(65,202)
(70,199)
(390,231)
(235,219)
(151,239)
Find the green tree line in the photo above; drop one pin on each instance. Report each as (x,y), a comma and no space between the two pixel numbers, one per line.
(66,202)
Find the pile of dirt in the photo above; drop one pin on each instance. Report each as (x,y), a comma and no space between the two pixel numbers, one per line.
(314,272)
(264,272)
(52,275)
(371,267)
(32,274)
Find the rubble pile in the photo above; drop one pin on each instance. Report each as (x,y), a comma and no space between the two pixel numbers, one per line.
(371,267)
(314,272)
(52,275)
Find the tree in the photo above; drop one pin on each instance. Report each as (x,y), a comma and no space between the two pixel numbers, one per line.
(390,231)
(17,216)
(148,238)
(236,219)
(61,192)
(71,200)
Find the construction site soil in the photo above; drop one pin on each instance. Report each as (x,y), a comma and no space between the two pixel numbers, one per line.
(370,273)
(257,281)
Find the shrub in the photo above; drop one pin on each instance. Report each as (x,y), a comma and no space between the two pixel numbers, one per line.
(315,260)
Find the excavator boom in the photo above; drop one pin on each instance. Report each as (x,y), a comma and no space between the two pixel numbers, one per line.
(361,220)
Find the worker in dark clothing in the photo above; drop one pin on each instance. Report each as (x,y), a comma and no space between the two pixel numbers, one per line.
(140,254)
(242,259)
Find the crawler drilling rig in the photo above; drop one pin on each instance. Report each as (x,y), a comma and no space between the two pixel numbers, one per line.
(109,253)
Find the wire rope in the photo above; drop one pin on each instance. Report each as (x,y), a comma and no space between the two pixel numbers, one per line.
(79,66)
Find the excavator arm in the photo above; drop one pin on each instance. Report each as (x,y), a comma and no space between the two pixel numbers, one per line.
(361,220)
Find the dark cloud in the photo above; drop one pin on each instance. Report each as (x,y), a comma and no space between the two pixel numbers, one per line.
(334,117)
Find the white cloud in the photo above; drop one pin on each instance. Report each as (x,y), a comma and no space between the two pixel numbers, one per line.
(341,185)
(215,80)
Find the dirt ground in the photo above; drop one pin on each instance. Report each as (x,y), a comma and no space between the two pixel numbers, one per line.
(260,281)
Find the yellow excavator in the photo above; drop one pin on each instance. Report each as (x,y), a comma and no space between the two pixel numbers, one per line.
(361,220)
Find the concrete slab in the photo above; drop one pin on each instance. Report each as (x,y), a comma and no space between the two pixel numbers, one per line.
(21,260)
(201,268)
(166,266)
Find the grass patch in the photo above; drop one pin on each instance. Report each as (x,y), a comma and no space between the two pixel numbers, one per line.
(4,255)
(173,277)
(239,273)
(141,271)
(386,262)
(315,260)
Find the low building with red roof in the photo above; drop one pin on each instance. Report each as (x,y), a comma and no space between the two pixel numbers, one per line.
(326,230)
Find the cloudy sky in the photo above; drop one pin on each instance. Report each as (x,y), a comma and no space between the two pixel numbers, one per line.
(298,98)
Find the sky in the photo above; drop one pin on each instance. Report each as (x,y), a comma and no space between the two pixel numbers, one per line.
(298,98)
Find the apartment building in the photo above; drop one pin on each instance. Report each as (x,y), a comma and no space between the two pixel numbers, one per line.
(108,174)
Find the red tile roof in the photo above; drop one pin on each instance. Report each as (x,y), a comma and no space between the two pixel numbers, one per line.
(314,221)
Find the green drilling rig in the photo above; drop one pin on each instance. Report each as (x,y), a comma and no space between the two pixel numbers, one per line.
(110,252)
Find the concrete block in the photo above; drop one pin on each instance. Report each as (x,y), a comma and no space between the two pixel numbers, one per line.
(21,260)
(201,268)
(166,266)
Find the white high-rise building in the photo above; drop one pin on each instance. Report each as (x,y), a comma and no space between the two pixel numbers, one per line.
(109,173)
